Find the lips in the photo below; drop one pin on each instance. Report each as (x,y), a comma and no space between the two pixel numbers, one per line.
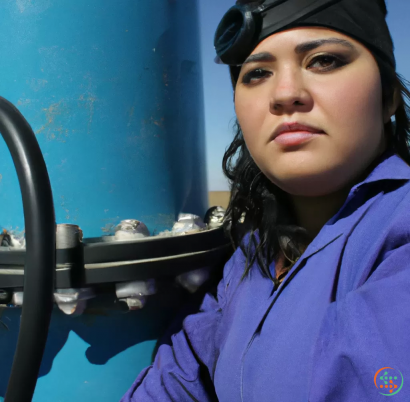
(295,127)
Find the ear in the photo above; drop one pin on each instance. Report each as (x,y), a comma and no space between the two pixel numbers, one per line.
(392,107)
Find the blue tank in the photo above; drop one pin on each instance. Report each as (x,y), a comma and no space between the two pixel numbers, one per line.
(113,91)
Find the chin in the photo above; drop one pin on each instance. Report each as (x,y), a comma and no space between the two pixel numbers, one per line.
(308,185)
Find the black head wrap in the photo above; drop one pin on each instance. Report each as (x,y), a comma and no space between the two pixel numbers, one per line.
(247,23)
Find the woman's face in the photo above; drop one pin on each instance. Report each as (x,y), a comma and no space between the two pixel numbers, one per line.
(335,87)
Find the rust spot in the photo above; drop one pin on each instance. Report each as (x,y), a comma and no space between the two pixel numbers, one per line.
(158,123)
(53,130)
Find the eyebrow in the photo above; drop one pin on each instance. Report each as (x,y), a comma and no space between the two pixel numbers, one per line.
(305,47)
(299,49)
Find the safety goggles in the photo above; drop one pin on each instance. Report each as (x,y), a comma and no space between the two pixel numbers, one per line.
(245,25)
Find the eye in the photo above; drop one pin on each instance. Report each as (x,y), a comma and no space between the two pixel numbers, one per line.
(327,62)
(255,76)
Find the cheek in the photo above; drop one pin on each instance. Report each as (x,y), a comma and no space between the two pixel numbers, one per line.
(353,105)
(252,109)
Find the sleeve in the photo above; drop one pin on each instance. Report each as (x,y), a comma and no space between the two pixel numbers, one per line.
(183,371)
(365,336)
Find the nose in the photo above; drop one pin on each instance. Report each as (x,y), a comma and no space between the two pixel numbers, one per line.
(288,92)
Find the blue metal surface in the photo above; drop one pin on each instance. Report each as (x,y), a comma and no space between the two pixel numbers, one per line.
(93,357)
(113,91)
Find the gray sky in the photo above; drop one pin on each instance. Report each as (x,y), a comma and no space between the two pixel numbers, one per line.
(219,111)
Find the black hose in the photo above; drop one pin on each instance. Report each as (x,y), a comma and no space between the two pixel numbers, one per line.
(39,270)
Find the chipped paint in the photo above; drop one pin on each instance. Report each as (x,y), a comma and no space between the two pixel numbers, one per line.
(33,6)
(165,77)
(109,227)
(22,4)
(52,130)
(36,84)
(158,123)
(88,101)
(22,102)
(130,115)
(48,51)
(63,205)
(63,162)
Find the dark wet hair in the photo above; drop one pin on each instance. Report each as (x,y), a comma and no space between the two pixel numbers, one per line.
(258,208)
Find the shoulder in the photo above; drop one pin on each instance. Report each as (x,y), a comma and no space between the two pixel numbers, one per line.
(383,228)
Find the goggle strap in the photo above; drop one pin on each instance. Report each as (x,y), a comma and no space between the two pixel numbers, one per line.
(270,4)
(285,13)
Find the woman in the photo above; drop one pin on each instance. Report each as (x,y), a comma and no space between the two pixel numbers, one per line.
(315,300)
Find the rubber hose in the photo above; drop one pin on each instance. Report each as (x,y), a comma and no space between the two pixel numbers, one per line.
(39,269)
